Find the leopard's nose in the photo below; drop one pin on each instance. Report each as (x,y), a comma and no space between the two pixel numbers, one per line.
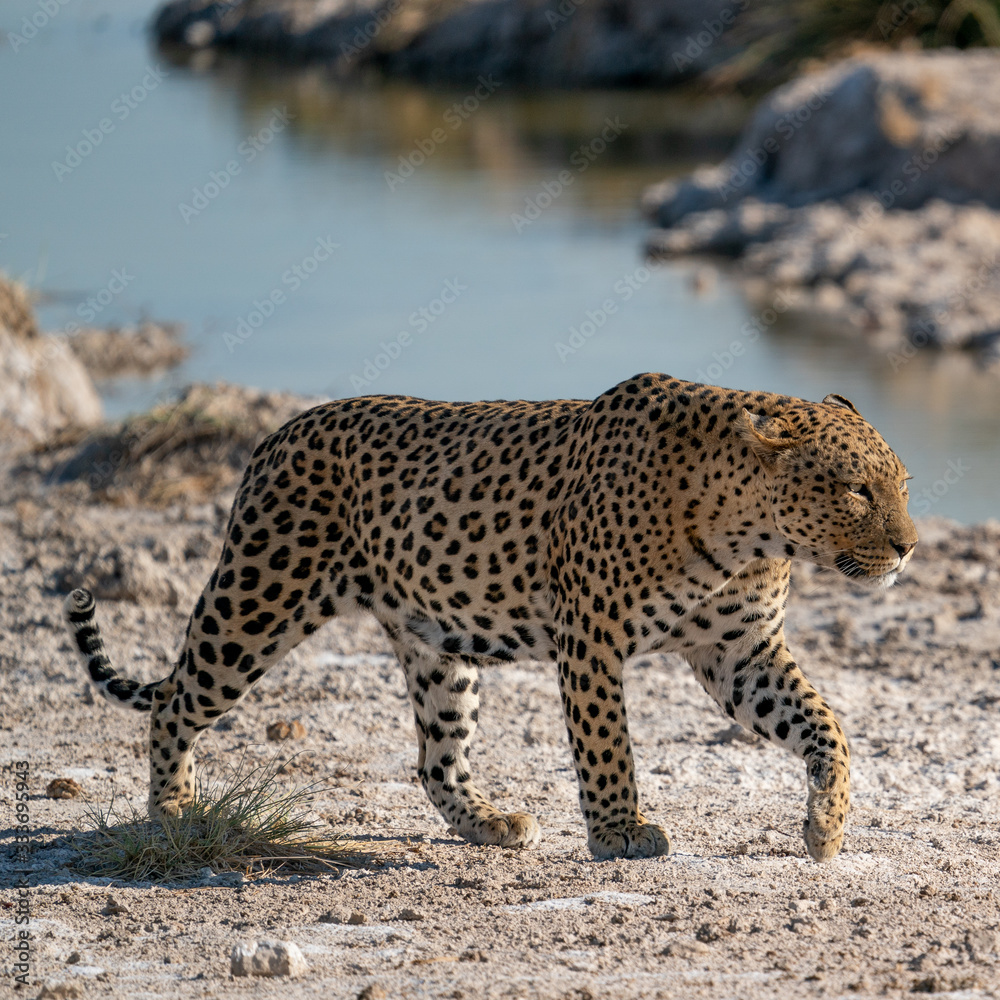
(905,549)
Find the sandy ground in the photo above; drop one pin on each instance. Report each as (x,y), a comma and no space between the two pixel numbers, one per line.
(911,905)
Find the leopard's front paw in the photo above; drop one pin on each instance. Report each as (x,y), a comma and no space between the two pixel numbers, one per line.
(633,840)
(509,830)
(829,800)
(823,838)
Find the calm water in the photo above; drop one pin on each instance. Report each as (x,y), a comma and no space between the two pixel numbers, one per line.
(394,239)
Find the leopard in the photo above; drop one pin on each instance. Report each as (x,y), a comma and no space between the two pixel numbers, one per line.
(661,517)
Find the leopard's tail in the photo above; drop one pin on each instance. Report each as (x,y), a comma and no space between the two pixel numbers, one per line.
(120,691)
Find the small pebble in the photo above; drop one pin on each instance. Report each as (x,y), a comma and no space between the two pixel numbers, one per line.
(63,788)
(59,990)
(268,958)
(282,730)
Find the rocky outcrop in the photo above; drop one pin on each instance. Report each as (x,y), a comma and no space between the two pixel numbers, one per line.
(905,127)
(866,192)
(141,350)
(541,42)
(927,278)
(44,389)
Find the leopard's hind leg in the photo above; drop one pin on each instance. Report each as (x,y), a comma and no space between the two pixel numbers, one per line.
(252,612)
(444,691)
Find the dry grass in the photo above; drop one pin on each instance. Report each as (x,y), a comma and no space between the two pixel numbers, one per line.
(253,826)
(17,313)
(193,448)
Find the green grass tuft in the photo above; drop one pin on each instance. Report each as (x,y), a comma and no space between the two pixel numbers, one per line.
(253,826)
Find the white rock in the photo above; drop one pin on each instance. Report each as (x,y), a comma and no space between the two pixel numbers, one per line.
(268,958)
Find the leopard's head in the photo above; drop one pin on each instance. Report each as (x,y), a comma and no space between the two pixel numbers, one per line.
(837,491)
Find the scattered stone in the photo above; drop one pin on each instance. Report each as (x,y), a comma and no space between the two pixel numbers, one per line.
(409,914)
(688,949)
(73,958)
(63,788)
(59,989)
(282,730)
(120,573)
(707,933)
(734,734)
(357,917)
(268,958)
(372,992)
(983,944)
(114,908)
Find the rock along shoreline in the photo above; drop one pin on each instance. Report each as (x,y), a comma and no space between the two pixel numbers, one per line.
(866,192)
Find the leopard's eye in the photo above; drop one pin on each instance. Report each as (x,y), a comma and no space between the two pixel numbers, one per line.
(861,490)
(902,485)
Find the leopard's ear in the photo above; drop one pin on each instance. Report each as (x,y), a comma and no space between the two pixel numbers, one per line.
(835,400)
(769,437)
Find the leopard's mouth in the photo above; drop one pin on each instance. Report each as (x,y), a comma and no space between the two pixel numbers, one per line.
(852,569)
(848,565)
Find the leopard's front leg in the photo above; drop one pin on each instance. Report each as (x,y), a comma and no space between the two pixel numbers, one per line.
(590,682)
(764,690)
